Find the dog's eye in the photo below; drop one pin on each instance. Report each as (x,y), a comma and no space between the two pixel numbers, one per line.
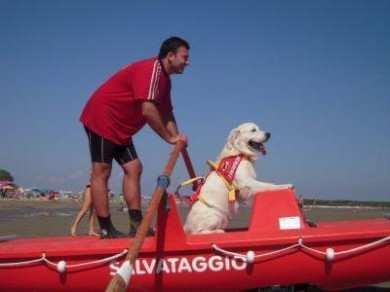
(253,130)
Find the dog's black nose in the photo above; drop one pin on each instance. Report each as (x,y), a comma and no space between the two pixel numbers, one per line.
(267,135)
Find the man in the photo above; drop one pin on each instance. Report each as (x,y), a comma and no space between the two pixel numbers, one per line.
(137,94)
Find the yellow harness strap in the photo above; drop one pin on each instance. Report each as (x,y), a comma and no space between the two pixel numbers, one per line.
(190,181)
(204,202)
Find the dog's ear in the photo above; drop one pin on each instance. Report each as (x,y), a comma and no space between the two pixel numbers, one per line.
(232,138)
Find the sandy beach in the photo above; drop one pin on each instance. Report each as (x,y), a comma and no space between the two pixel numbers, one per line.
(53,218)
(28,218)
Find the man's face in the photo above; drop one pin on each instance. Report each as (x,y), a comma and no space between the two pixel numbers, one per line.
(179,60)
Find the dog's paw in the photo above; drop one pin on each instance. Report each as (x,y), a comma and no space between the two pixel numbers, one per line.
(219,231)
(287,186)
(207,231)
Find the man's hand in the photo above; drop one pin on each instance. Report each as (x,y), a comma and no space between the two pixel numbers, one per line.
(177,138)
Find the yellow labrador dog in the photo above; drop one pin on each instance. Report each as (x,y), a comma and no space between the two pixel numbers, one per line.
(212,211)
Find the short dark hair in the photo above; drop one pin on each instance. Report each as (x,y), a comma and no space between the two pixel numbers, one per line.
(171,45)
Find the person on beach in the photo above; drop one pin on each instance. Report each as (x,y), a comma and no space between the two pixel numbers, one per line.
(85,207)
(136,95)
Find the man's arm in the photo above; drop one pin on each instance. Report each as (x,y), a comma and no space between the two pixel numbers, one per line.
(167,131)
(171,125)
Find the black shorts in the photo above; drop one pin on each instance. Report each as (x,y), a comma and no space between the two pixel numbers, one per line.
(103,150)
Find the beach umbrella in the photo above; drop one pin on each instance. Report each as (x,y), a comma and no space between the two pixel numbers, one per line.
(5,183)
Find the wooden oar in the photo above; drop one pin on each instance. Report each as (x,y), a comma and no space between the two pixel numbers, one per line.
(190,168)
(121,279)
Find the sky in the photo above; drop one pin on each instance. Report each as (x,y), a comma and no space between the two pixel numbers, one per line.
(316,74)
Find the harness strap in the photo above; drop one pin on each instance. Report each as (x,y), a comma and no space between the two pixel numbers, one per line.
(232,191)
(202,200)
(190,181)
(205,202)
(189,200)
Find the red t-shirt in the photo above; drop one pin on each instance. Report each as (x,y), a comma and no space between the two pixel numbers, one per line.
(114,111)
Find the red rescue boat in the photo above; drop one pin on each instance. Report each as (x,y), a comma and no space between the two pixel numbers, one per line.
(278,248)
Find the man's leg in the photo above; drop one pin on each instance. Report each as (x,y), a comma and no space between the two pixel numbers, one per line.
(132,169)
(99,181)
(132,193)
(102,153)
(131,184)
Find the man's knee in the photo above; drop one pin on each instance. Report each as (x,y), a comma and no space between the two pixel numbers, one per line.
(132,168)
(100,171)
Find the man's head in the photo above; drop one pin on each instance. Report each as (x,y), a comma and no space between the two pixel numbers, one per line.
(174,55)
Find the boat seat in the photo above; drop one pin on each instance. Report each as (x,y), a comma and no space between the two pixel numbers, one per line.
(270,208)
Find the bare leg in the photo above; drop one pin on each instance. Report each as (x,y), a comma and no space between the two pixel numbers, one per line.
(131,183)
(100,175)
(92,216)
(73,228)
(87,202)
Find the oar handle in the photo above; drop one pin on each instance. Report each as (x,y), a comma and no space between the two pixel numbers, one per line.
(162,184)
(190,168)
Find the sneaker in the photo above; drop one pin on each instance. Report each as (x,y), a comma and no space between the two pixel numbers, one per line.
(111,233)
(133,230)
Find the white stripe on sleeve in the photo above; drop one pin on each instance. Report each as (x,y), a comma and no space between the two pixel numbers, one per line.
(154,80)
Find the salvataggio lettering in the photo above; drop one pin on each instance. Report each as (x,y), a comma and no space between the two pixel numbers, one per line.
(199,264)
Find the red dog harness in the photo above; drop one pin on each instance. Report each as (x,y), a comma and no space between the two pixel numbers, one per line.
(226,169)
(228,166)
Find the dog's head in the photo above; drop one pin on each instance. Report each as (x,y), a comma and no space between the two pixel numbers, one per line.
(247,139)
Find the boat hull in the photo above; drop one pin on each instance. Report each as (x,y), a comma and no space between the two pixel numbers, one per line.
(173,261)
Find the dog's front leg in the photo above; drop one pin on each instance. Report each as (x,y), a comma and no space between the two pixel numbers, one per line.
(246,179)
(255,185)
